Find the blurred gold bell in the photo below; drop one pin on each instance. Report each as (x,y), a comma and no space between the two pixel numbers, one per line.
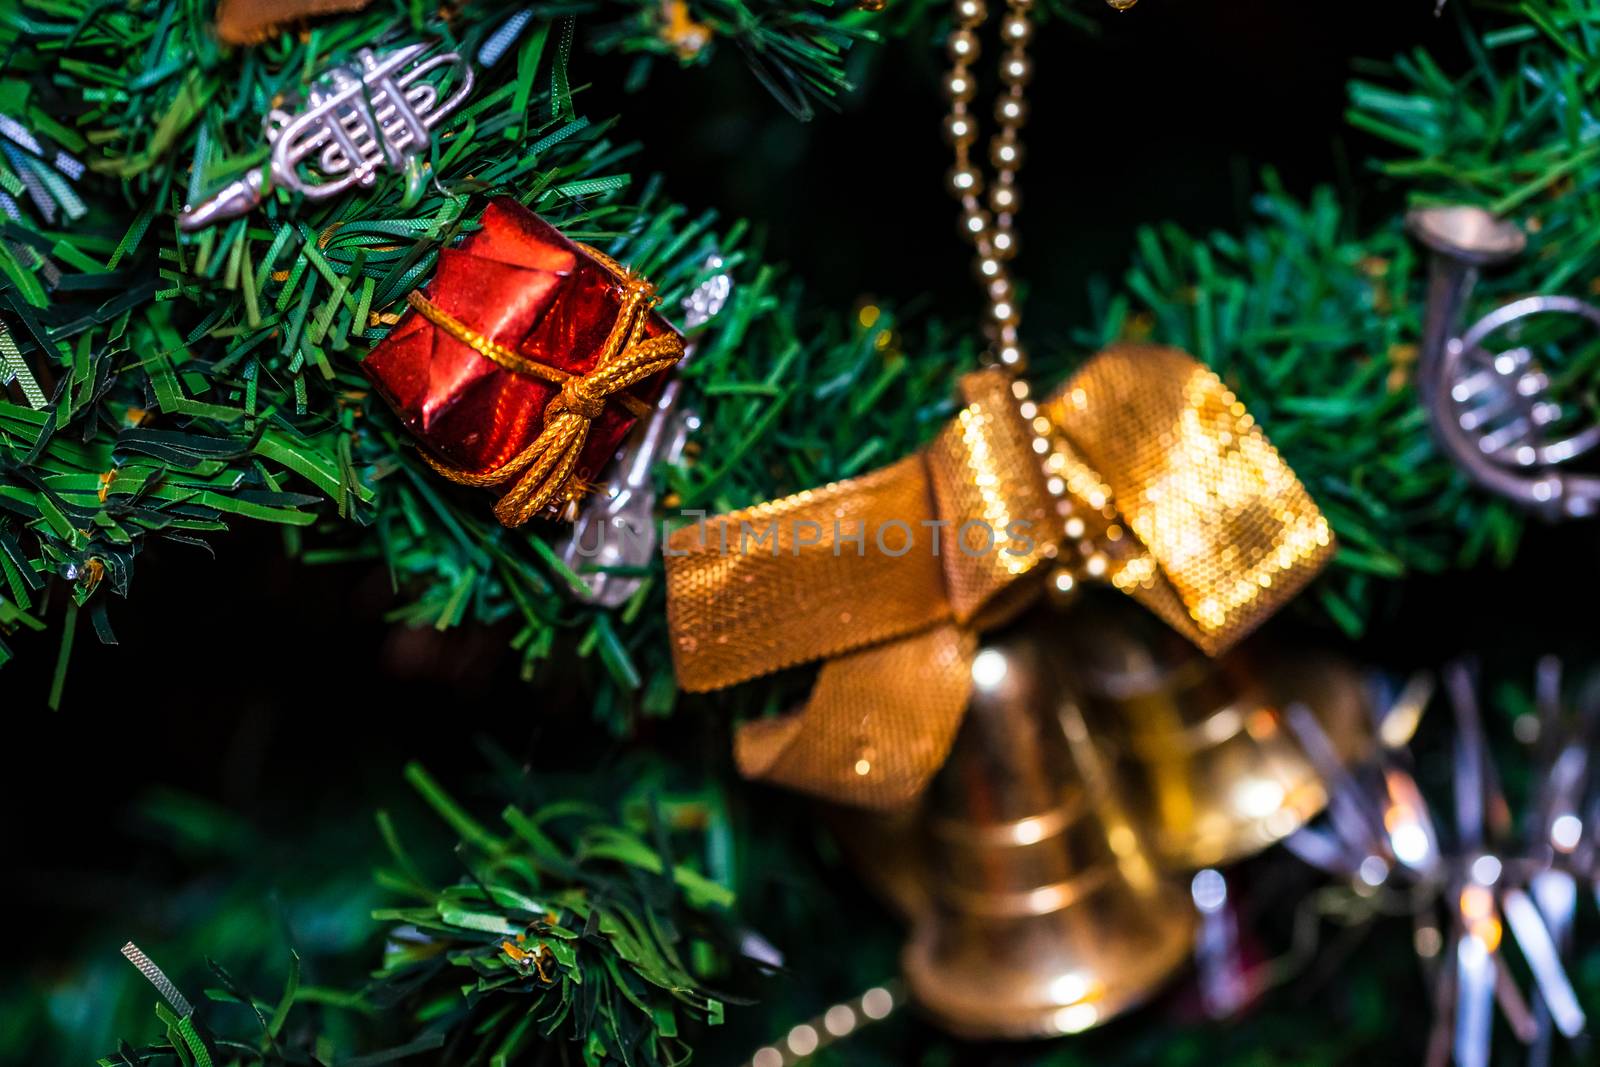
(1042,914)
(1210,767)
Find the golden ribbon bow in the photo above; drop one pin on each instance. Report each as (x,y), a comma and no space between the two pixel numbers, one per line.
(1170,489)
(545,466)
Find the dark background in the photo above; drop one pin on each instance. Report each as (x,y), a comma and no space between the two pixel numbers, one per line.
(295,699)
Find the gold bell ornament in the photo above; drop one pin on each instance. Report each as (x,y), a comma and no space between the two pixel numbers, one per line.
(943,702)
(1039,911)
(1046,916)
(1168,492)
(1200,744)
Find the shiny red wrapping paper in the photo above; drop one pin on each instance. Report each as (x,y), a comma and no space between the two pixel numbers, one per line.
(523,285)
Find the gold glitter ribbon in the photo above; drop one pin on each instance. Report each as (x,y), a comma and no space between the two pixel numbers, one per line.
(543,470)
(1191,509)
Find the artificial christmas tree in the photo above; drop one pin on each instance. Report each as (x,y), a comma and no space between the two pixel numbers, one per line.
(173,382)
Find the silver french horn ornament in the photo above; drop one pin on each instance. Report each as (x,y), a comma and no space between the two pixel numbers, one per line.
(1488,394)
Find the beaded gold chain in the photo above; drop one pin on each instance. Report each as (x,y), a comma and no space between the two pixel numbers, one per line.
(991,228)
(992,232)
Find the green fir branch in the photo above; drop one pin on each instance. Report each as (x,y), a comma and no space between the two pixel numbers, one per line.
(1313,315)
(226,387)
(1315,328)
(229,390)
(574,924)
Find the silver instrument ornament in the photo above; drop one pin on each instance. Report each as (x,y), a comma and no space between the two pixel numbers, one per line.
(616,527)
(376,113)
(1488,396)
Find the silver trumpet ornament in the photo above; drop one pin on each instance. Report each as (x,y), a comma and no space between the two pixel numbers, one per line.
(376,113)
(615,529)
(1491,408)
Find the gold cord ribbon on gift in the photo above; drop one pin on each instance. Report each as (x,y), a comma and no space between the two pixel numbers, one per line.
(544,469)
(889,578)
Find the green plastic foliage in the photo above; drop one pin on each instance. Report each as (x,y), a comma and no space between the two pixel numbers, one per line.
(203,379)
(542,940)
(573,924)
(1315,330)
(1313,315)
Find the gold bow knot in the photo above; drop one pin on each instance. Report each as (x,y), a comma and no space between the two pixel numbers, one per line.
(545,466)
(1143,467)
(577,398)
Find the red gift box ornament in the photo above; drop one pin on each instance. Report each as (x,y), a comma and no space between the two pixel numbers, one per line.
(526,362)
